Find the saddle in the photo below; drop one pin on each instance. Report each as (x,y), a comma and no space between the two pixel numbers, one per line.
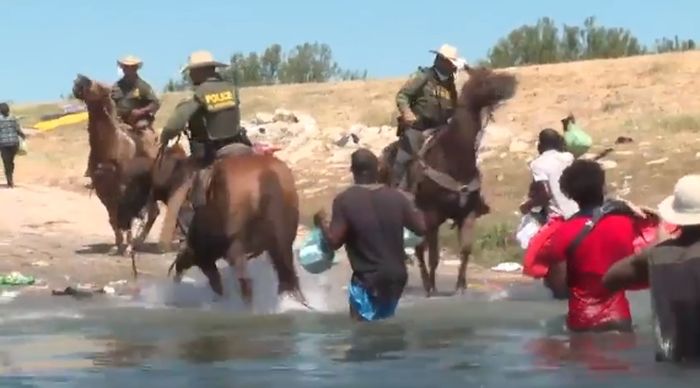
(420,169)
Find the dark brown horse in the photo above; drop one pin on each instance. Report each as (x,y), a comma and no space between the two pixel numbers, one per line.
(445,179)
(112,148)
(252,207)
(148,184)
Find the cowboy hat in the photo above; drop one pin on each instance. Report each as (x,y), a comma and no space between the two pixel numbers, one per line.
(683,207)
(450,53)
(200,59)
(130,60)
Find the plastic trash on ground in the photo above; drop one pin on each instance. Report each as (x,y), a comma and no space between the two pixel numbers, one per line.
(16,279)
(508,266)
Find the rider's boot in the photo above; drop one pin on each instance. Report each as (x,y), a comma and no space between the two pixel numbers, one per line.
(398,175)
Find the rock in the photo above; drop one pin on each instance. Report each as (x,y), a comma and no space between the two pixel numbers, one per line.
(517,145)
(657,161)
(263,118)
(285,116)
(607,164)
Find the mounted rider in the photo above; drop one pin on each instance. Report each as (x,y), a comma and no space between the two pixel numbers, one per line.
(425,101)
(211,117)
(136,102)
(136,105)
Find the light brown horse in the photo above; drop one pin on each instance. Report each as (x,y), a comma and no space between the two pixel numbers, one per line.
(445,179)
(252,207)
(112,148)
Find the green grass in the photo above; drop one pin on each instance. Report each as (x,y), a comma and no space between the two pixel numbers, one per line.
(494,243)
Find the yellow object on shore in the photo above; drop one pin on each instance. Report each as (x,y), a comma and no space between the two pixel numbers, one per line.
(73,118)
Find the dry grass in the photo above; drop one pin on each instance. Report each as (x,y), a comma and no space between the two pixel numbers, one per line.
(639,97)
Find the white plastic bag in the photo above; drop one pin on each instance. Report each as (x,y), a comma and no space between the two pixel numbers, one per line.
(528,228)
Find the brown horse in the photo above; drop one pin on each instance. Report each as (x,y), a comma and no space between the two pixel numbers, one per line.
(112,148)
(445,179)
(252,207)
(147,185)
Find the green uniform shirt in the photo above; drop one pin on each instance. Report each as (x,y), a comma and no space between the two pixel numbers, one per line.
(128,96)
(212,113)
(431,100)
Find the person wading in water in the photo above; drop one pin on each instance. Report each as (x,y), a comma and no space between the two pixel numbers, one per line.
(584,247)
(368,218)
(672,270)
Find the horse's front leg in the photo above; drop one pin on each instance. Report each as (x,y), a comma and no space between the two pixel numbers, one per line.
(432,241)
(152,215)
(465,233)
(420,256)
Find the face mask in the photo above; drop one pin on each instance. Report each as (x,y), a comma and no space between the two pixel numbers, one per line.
(441,76)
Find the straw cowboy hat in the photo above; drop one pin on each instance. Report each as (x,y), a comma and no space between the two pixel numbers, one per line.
(130,60)
(683,207)
(450,53)
(201,59)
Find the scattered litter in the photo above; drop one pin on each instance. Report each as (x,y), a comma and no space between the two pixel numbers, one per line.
(109,290)
(16,279)
(608,164)
(657,161)
(118,282)
(40,263)
(508,266)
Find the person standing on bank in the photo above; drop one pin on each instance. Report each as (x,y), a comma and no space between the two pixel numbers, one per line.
(10,135)
(368,218)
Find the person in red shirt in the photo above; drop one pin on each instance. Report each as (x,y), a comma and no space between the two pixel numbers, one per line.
(578,264)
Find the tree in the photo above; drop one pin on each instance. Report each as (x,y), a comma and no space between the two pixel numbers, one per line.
(308,62)
(543,42)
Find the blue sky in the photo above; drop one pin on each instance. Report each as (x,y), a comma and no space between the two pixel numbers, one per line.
(48,41)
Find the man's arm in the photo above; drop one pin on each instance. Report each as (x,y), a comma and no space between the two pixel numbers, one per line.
(556,280)
(178,121)
(413,218)
(628,273)
(538,193)
(334,233)
(406,94)
(150,96)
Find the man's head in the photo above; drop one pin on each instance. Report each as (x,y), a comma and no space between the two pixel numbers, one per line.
(364,166)
(200,66)
(447,61)
(130,66)
(4,109)
(550,139)
(683,207)
(584,182)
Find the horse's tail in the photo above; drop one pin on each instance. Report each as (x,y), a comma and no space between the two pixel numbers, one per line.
(486,88)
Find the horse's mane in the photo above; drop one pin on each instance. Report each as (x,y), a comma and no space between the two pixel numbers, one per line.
(486,88)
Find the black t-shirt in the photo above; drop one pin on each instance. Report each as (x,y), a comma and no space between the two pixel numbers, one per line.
(375,217)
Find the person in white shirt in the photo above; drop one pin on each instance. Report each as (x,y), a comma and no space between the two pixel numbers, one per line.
(546,170)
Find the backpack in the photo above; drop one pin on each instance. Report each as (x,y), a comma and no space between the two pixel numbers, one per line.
(577,141)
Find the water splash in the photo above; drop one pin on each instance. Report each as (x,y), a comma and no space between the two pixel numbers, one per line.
(194,291)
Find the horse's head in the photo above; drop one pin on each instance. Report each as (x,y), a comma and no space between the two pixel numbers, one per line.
(88,90)
(486,88)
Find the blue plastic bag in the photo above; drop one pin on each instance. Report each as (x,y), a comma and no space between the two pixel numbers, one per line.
(410,239)
(314,254)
